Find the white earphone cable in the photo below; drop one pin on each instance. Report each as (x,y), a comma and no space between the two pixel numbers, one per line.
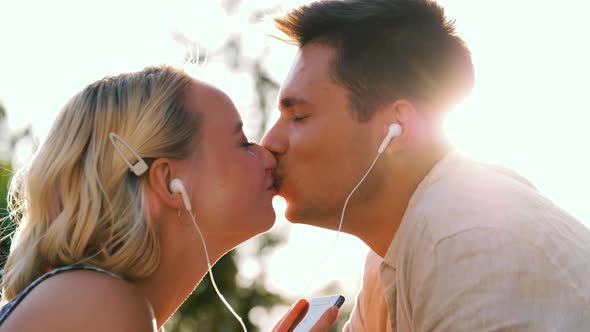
(339,226)
(211,274)
(393,131)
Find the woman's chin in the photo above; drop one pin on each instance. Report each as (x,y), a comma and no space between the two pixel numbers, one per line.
(258,224)
(268,222)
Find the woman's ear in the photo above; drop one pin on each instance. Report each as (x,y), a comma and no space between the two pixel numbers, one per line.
(160,197)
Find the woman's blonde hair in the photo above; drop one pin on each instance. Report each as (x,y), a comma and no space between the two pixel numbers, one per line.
(76,201)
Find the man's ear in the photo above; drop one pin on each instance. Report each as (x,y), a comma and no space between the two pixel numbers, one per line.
(402,112)
(160,197)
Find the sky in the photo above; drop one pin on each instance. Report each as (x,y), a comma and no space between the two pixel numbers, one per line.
(529,109)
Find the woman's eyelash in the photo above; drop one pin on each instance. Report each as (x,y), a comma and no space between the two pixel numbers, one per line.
(299,118)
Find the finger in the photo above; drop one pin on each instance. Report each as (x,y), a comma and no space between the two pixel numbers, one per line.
(327,319)
(291,318)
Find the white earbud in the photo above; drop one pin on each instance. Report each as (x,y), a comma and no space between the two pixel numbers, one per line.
(393,131)
(176,186)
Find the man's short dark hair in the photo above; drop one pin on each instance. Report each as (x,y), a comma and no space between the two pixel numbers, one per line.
(386,50)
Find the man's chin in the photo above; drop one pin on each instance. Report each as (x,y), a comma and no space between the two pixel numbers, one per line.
(303,216)
(291,216)
(296,215)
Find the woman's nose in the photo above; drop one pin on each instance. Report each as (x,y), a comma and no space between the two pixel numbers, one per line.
(268,159)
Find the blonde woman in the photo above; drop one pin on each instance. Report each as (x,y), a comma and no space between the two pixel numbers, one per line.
(103,242)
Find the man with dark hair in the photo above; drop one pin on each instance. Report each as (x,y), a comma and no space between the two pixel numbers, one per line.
(463,246)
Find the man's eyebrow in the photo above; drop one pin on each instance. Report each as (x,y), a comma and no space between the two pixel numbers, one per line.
(238,128)
(288,102)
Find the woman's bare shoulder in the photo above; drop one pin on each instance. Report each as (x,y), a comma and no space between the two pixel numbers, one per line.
(82,301)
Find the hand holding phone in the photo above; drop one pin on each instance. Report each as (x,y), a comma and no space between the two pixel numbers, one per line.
(317,306)
(311,317)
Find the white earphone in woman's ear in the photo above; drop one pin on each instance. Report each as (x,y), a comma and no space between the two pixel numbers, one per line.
(176,186)
(393,131)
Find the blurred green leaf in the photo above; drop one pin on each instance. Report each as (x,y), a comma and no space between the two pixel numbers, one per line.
(2,112)
(6,225)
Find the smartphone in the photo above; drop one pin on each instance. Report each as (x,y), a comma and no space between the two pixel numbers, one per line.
(317,307)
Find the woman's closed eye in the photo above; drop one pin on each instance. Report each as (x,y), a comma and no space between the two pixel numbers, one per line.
(299,118)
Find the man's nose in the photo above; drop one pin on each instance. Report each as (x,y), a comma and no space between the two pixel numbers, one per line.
(276,140)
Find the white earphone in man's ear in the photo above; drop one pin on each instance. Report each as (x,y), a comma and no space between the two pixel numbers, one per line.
(176,186)
(393,131)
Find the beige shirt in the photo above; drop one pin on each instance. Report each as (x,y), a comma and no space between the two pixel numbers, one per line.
(479,249)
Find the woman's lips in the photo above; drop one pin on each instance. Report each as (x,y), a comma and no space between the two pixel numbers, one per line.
(271,184)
